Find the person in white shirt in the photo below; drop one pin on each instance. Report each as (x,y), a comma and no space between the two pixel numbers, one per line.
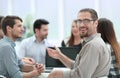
(33,49)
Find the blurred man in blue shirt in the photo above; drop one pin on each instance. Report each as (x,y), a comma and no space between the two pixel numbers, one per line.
(10,65)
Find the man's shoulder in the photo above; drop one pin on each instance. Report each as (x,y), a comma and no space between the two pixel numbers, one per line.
(96,43)
(5,47)
(27,40)
(4,43)
(97,40)
(49,43)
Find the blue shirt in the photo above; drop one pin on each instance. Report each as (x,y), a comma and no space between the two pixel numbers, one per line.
(9,63)
(30,47)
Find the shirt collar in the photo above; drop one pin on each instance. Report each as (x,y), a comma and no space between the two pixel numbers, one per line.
(35,40)
(10,41)
(91,37)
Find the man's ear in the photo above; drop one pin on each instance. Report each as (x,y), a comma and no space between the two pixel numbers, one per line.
(96,23)
(9,28)
(36,30)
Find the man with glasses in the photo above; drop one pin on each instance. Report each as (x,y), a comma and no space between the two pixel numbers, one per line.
(93,60)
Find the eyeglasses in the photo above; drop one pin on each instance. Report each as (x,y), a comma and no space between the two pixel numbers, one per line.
(85,21)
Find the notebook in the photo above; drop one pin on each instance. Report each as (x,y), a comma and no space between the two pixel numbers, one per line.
(51,63)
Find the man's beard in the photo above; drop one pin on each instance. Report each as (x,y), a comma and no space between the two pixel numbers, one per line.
(45,37)
(83,35)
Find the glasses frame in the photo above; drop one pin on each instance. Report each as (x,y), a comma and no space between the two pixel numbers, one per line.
(84,21)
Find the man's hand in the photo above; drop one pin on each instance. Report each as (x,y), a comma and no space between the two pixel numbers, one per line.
(54,53)
(39,67)
(28,60)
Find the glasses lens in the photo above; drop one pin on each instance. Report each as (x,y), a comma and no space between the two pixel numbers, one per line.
(84,21)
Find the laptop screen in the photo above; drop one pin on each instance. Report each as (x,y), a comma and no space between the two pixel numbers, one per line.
(71,52)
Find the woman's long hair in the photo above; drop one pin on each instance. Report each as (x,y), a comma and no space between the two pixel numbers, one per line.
(71,40)
(105,27)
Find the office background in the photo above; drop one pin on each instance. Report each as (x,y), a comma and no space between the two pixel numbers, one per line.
(59,13)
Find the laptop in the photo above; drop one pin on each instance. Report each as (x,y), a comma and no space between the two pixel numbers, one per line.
(51,63)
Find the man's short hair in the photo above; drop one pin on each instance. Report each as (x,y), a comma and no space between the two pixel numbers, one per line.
(1,17)
(9,21)
(38,23)
(93,13)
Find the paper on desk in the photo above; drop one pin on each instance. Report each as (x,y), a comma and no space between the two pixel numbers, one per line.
(63,69)
(43,75)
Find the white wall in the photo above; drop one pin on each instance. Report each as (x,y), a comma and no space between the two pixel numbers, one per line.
(60,13)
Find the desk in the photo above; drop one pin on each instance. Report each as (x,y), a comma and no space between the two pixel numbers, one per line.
(45,75)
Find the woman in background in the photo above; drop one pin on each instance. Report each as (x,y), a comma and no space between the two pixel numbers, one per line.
(105,27)
(74,40)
